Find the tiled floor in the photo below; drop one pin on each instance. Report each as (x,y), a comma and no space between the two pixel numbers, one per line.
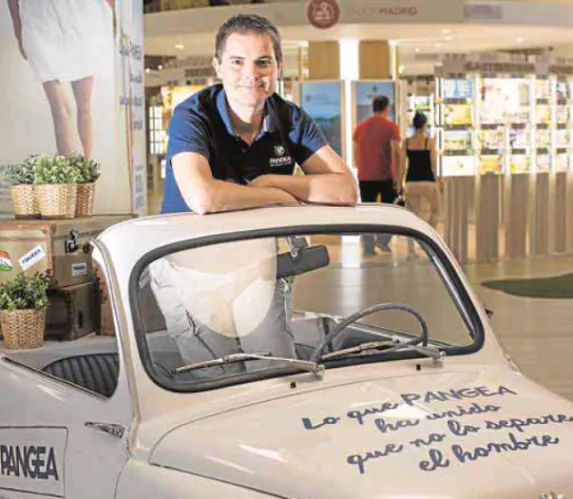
(537,333)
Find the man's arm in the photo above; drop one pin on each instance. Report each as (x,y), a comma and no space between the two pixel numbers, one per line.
(396,161)
(328,180)
(204,194)
(401,171)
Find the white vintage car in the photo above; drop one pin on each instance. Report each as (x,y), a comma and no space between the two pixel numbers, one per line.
(263,353)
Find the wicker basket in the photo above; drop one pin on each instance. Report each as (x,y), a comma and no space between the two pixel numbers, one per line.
(85,200)
(57,201)
(24,201)
(23,328)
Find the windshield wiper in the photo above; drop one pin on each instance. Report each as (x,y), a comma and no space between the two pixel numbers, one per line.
(393,345)
(306,365)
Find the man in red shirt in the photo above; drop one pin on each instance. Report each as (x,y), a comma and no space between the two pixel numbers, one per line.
(376,148)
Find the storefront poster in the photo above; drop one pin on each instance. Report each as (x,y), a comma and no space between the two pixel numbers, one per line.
(365,93)
(67,87)
(323,102)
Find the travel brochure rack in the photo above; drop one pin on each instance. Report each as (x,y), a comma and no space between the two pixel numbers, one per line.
(504,124)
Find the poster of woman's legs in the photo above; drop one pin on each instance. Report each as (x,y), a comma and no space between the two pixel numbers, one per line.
(58,93)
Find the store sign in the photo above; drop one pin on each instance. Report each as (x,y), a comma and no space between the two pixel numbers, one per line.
(443,11)
(323,14)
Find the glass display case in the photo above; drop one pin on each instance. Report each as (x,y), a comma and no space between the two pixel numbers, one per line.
(455,109)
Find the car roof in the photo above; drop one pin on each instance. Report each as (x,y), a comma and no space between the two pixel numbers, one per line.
(128,241)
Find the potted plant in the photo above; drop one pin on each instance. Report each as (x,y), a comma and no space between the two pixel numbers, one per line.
(55,179)
(24,201)
(88,171)
(23,304)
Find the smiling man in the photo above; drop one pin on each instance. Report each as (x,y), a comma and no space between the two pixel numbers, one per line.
(235,145)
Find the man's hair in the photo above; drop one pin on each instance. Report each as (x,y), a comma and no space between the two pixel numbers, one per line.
(380,103)
(248,23)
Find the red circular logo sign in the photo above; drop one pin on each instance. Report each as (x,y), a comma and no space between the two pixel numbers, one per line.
(323,14)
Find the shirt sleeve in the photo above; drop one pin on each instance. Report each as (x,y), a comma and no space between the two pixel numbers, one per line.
(396,133)
(187,133)
(310,139)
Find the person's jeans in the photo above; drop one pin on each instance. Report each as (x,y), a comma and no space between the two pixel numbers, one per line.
(369,191)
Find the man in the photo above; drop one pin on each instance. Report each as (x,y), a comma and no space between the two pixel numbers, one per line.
(376,149)
(235,145)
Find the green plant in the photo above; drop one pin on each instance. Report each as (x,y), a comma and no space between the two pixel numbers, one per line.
(23,174)
(54,170)
(25,292)
(87,169)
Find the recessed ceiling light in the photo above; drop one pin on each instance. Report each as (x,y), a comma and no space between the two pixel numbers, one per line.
(437,45)
(160,67)
(147,70)
(519,40)
(449,38)
(401,69)
(446,31)
(417,49)
(179,46)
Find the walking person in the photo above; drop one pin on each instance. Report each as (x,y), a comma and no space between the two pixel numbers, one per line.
(376,149)
(419,172)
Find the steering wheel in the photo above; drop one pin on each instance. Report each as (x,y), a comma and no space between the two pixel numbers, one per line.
(379,307)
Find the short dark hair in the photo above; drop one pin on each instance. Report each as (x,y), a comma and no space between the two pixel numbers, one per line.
(419,120)
(380,103)
(248,23)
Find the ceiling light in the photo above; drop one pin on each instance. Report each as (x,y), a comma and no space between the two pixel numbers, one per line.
(179,46)
(519,40)
(417,49)
(160,67)
(437,45)
(147,70)
(446,31)
(401,69)
(449,38)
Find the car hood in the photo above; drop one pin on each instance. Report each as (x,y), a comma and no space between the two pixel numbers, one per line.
(453,434)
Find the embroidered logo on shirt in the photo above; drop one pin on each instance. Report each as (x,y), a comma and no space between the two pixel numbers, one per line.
(281,159)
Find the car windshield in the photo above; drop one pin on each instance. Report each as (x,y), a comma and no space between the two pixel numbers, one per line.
(248,309)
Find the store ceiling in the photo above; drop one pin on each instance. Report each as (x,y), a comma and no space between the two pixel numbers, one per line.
(414,38)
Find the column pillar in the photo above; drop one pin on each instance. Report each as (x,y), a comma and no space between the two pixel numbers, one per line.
(324,60)
(375,60)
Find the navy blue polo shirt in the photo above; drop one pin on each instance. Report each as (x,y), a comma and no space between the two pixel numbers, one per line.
(202,124)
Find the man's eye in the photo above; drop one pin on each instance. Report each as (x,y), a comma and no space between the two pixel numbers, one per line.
(236,62)
(265,63)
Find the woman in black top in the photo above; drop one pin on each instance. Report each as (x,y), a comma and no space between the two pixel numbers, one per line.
(419,169)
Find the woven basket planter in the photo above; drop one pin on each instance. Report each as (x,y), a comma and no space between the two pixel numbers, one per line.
(85,200)
(23,328)
(57,201)
(24,201)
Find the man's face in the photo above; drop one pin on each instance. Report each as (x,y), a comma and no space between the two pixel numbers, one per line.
(248,68)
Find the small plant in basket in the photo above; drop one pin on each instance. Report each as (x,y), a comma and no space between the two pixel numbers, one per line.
(88,171)
(56,179)
(23,304)
(21,176)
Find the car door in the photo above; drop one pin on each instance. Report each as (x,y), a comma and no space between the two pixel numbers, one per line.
(65,415)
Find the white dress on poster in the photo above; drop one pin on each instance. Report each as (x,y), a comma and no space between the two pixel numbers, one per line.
(64,39)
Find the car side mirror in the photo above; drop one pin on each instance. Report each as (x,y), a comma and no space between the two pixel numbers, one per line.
(305,260)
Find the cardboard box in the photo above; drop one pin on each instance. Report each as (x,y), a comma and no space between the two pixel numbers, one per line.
(31,246)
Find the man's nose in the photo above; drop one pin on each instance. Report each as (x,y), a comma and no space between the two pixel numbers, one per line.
(251,70)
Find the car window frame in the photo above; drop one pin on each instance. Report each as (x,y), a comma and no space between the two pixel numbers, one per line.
(445,269)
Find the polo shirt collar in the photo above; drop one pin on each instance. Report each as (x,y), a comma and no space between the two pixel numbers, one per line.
(269,120)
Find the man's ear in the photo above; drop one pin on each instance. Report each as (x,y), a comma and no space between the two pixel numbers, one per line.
(217,66)
(280,70)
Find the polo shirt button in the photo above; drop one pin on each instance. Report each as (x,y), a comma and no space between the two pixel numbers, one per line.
(243,149)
